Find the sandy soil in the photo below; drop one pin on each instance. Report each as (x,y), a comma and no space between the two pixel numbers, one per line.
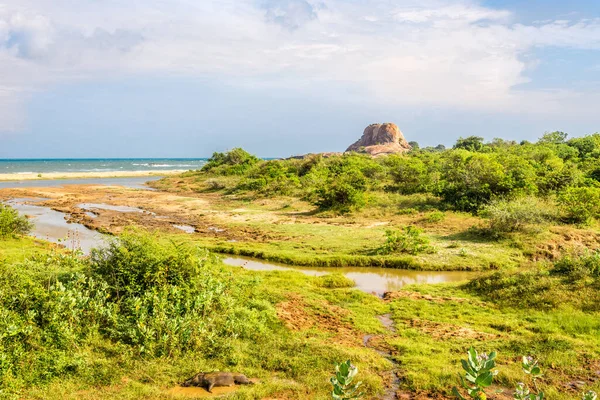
(157,210)
(74,175)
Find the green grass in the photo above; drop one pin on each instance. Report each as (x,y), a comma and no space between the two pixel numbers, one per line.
(20,248)
(434,335)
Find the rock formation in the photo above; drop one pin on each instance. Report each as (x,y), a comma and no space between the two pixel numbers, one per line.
(379,139)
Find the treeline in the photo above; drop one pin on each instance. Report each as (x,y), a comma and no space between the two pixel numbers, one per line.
(469,177)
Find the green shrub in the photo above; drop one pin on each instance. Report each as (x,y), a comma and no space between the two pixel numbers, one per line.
(233,162)
(409,240)
(343,192)
(146,297)
(578,266)
(435,217)
(335,281)
(11,223)
(410,174)
(516,215)
(137,262)
(470,180)
(580,204)
(344,387)
(479,375)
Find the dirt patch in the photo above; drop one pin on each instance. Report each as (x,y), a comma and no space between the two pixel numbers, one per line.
(159,210)
(404,294)
(566,239)
(441,331)
(297,315)
(196,392)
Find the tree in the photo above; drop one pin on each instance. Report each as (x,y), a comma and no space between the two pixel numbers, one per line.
(553,138)
(414,145)
(472,143)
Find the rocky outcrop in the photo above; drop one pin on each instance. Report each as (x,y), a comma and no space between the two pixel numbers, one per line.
(380,139)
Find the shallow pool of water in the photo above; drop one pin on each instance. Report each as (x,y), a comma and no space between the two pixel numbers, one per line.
(368,279)
(103,206)
(51,225)
(185,228)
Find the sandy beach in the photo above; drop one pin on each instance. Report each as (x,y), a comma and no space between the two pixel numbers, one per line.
(78,175)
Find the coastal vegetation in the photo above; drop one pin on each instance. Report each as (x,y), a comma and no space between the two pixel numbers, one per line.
(156,305)
(477,205)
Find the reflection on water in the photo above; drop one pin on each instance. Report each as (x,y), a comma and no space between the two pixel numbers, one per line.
(51,225)
(370,280)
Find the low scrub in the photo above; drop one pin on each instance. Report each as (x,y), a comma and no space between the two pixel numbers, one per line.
(148,298)
(234,162)
(580,204)
(335,281)
(409,240)
(518,215)
(577,266)
(11,223)
(542,288)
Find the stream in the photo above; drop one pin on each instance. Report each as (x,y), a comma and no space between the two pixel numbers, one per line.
(52,226)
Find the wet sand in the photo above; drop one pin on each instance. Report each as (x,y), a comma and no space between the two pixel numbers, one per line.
(83,175)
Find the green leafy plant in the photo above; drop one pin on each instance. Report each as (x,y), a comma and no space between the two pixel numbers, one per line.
(516,215)
(591,395)
(408,240)
(479,375)
(435,216)
(580,204)
(11,223)
(532,369)
(343,384)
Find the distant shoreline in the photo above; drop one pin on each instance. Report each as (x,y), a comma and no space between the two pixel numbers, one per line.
(83,175)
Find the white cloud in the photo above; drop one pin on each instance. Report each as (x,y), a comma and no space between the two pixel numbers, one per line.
(407,52)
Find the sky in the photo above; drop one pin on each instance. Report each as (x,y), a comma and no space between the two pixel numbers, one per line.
(184,78)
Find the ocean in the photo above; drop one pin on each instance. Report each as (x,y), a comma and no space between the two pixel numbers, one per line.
(42,166)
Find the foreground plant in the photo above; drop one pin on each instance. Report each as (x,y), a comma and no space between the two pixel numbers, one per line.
(342,382)
(532,369)
(479,374)
(591,395)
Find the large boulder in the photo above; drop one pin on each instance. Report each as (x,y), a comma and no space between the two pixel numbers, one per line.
(380,139)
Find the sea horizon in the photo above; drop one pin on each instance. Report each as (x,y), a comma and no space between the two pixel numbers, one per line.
(74,165)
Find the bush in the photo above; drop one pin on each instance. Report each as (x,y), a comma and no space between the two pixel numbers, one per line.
(335,281)
(516,215)
(470,180)
(11,223)
(137,262)
(146,297)
(580,204)
(579,266)
(344,192)
(408,240)
(435,217)
(409,174)
(233,162)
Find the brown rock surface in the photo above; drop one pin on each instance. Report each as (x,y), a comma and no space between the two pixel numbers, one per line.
(379,139)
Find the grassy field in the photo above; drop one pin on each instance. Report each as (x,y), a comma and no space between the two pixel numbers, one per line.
(300,327)
(136,319)
(292,231)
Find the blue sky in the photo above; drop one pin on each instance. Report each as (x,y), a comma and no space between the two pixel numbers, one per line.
(184,78)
